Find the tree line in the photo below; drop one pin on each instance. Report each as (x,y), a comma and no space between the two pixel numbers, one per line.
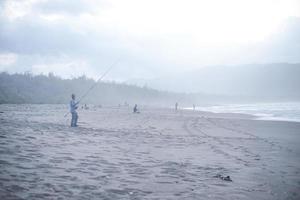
(26,88)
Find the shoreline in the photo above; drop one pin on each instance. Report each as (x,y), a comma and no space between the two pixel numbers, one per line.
(276,111)
(233,115)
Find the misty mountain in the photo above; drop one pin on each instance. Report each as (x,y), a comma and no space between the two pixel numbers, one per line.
(276,82)
(275,78)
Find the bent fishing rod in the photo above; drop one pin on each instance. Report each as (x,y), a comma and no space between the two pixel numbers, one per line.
(94,85)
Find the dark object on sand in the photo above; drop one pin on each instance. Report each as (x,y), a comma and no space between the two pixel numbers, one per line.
(135,110)
(224,178)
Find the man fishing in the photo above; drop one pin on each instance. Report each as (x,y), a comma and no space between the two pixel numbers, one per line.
(73,108)
(74,104)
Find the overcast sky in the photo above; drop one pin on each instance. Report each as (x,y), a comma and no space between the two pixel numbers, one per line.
(152,37)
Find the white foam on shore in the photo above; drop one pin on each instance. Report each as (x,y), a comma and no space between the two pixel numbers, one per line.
(287,111)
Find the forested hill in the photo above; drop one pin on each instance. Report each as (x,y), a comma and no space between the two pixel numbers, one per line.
(26,88)
(41,89)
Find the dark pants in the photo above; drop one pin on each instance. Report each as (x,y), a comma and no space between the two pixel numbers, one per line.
(74,119)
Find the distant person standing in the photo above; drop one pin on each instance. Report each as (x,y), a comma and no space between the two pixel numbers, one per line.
(194,107)
(176,106)
(73,108)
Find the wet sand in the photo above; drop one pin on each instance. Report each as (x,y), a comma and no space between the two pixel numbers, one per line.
(157,154)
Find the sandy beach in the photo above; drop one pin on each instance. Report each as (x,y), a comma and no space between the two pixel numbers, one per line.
(156,154)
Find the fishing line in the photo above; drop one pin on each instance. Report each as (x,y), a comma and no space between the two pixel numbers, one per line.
(94,85)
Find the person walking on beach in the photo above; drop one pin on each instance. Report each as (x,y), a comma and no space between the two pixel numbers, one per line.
(176,106)
(73,108)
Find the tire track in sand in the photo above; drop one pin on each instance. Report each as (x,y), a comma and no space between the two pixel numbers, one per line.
(216,144)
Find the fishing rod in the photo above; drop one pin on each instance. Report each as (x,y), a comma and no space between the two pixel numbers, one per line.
(94,85)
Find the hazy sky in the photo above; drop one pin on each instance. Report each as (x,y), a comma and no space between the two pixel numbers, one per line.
(152,37)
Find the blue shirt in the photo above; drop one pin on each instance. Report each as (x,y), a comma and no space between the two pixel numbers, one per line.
(73,106)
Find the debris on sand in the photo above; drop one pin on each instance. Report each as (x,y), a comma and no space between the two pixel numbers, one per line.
(224,178)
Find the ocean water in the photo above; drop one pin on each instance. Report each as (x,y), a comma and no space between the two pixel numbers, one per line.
(287,111)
